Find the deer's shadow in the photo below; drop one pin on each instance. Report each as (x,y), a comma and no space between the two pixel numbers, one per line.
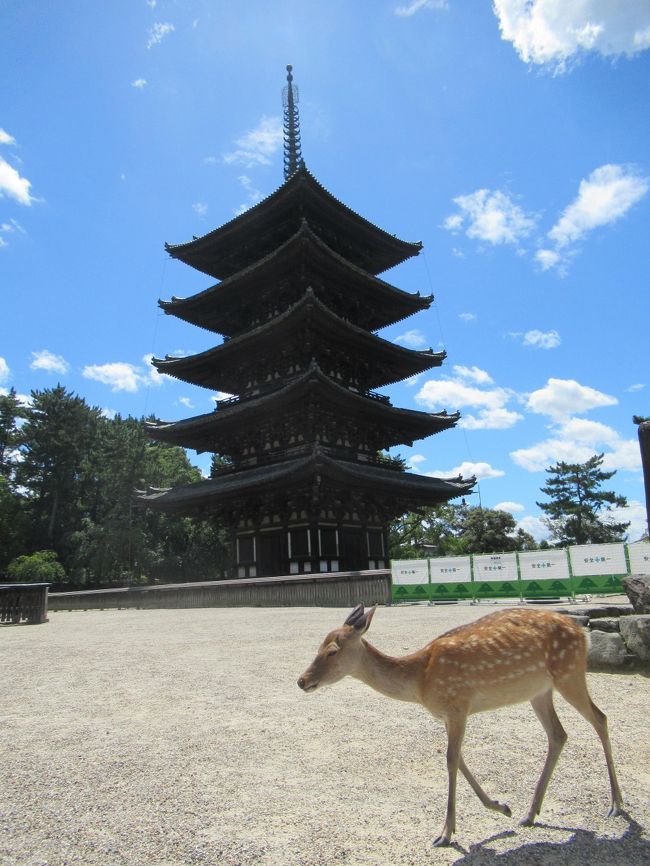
(583,847)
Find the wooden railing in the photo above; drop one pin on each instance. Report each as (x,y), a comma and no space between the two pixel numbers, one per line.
(23,602)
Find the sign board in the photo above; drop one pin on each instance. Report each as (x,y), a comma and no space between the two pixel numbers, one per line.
(495,566)
(410,571)
(595,559)
(544,565)
(451,569)
(639,554)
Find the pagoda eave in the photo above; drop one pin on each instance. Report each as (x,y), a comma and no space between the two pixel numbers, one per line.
(226,250)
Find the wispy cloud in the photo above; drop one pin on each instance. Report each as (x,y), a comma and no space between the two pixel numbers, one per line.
(139,83)
(5,138)
(555,32)
(491,216)
(257,146)
(634,388)
(13,185)
(5,372)
(158,32)
(536,339)
(414,339)
(562,398)
(200,208)
(48,361)
(463,391)
(512,507)
(575,440)
(417,5)
(467,317)
(603,198)
(253,195)
(467,469)
(122,376)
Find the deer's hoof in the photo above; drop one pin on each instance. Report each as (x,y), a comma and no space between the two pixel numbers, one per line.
(527,822)
(442,841)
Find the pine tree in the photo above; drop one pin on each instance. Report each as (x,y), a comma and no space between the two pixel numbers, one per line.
(576,501)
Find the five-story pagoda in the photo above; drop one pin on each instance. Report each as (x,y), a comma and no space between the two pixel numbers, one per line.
(297,303)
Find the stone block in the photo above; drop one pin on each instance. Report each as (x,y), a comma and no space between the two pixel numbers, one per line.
(637,589)
(606,650)
(635,631)
(604,624)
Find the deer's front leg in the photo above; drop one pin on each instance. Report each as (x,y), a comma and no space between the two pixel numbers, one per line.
(455,734)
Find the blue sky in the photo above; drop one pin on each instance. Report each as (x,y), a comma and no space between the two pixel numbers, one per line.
(513,141)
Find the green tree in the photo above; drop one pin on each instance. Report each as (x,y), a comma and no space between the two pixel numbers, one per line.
(486,530)
(573,513)
(454,530)
(40,567)
(57,471)
(14,526)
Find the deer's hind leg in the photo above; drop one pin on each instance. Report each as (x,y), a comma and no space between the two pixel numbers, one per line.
(557,737)
(573,689)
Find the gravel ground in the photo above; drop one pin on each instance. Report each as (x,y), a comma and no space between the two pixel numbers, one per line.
(132,738)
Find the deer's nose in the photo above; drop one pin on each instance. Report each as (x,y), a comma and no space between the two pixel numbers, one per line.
(301,683)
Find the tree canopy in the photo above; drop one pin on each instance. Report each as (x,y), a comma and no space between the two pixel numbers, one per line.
(455,530)
(574,512)
(67,481)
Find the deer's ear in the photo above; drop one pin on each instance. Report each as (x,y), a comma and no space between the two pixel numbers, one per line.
(360,619)
(364,625)
(356,615)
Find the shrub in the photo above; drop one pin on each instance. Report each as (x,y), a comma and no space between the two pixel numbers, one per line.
(39,567)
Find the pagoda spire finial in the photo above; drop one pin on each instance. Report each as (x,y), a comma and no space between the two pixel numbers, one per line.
(292,150)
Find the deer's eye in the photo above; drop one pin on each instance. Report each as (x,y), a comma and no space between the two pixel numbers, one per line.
(332,651)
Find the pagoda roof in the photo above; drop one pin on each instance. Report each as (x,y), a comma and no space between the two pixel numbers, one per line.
(203,431)
(255,233)
(318,468)
(224,367)
(222,307)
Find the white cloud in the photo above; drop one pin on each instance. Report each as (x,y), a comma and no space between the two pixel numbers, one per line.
(603,198)
(158,32)
(467,469)
(415,459)
(416,5)
(541,339)
(467,317)
(200,208)
(512,507)
(4,370)
(633,388)
(13,185)
(491,216)
(490,419)
(253,194)
(185,401)
(454,393)
(9,228)
(121,376)
(552,32)
(561,398)
(575,440)
(152,4)
(415,339)
(547,259)
(48,361)
(257,146)
(139,83)
(534,526)
(5,138)
(220,395)
(635,514)
(474,373)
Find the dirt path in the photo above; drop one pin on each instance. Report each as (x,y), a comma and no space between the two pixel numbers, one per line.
(160,738)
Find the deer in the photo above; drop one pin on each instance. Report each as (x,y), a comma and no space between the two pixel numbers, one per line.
(504,658)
